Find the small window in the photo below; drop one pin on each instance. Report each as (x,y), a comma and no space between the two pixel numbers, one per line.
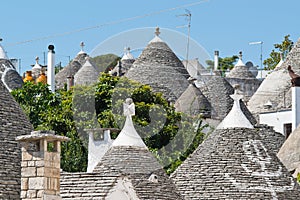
(287,129)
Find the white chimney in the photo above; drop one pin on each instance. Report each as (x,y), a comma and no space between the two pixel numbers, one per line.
(216,61)
(295,107)
(50,68)
(97,148)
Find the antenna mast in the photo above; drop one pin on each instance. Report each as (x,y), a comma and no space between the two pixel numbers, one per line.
(188,16)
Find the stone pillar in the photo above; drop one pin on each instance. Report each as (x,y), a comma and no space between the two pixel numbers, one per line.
(295,107)
(40,166)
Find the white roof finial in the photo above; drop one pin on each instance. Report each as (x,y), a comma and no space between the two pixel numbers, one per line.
(156,38)
(240,61)
(128,136)
(157,32)
(37,60)
(236,117)
(2,52)
(127,55)
(82,45)
(81,48)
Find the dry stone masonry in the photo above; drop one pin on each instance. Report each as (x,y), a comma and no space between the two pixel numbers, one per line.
(40,174)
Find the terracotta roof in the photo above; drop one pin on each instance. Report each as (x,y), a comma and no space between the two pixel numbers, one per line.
(13,123)
(235,163)
(159,67)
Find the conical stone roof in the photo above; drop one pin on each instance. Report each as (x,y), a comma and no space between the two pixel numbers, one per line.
(276,86)
(13,123)
(240,70)
(193,102)
(86,75)
(234,163)
(127,161)
(289,153)
(9,76)
(159,67)
(217,90)
(70,70)
(193,67)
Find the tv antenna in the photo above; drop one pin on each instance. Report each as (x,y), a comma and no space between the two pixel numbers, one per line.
(188,17)
(261,56)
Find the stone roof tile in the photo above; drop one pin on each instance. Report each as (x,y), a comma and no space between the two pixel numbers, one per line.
(13,123)
(217,90)
(86,75)
(276,85)
(234,163)
(193,102)
(70,70)
(159,66)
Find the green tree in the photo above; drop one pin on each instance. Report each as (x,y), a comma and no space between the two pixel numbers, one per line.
(105,62)
(53,111)
(225,64)
(170,135)
(280,49)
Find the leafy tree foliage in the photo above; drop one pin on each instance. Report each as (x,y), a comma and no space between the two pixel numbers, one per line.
(52,111)
(170,135)
(284,48)
(225,64)
(105,62)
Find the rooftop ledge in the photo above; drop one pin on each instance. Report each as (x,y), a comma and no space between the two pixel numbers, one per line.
(37,135)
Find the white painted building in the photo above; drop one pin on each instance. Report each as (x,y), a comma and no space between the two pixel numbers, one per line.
(280,120)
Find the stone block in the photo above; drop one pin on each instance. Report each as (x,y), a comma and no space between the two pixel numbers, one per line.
(24,164)
(26,156)
(28,172)
(39,163)
(40,193)
(24,183)
(57,164)
(36,183)
(23,194)
(56,173)
(31,194)
(48,172)
(51,197)
(31,163)
(40,171)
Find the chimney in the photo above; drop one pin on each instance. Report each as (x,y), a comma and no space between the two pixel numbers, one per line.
(51,70)
(216,60)
(98,147)
(40,166)
(295,107)
(70,82)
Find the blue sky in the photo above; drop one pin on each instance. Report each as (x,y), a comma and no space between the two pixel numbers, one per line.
(224,25)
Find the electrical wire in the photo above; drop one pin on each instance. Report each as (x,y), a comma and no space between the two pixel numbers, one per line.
(109,23)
